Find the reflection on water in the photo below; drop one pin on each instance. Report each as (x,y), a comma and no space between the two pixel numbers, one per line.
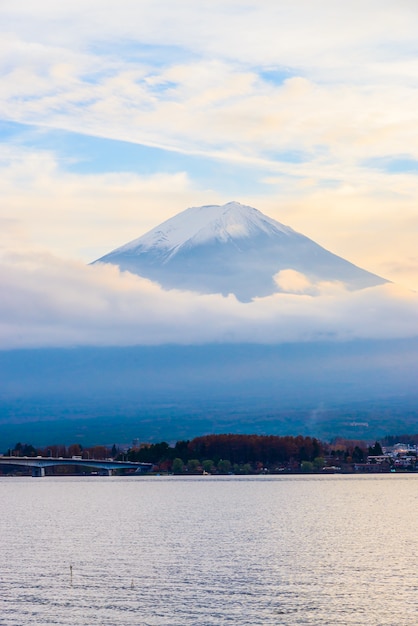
(207,550)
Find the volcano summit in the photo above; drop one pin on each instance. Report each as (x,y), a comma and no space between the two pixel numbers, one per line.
(235,249)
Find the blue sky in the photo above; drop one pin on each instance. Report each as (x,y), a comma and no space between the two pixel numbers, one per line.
(116,117)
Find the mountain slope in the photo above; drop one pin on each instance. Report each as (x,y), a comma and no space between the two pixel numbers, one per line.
(231,249)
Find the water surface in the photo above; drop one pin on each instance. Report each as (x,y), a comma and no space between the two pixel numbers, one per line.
(337,550)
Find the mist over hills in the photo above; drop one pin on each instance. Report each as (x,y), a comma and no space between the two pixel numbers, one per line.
(358,389)
(233,249)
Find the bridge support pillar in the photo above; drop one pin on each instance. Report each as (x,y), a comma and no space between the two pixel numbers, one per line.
(109,472)
(38,472)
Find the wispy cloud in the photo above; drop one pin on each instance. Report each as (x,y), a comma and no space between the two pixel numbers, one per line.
(343,88)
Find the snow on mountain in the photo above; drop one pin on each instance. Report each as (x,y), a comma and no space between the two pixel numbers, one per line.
(232,249)
(199,225)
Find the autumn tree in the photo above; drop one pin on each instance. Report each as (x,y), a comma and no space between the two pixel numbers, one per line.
(74,450)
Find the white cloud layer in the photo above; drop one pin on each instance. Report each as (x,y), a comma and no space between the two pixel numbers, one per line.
(50,302)
(317,33)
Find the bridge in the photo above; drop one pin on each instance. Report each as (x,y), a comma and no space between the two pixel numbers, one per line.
(39,463)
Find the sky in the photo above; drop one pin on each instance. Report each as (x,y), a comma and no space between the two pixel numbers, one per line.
(115,117)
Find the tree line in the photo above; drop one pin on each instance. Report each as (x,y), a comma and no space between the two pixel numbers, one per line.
(229,452)
(60,450)
(225,453)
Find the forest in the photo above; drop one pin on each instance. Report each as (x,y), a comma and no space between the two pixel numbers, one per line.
(225,453)
(230,453)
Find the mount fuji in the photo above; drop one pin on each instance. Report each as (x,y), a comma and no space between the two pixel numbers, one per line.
(235,249)
(327,386)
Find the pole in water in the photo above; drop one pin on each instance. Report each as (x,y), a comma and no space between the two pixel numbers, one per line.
(132,584)
(71,575)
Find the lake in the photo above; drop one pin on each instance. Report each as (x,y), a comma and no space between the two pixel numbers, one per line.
(205,550)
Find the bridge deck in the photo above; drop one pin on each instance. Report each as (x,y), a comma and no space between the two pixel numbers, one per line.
(42,462)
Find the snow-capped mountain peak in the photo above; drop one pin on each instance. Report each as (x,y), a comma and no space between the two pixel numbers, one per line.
(232,248)
(205,224)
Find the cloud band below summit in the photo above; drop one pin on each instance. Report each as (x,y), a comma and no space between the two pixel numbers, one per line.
(71,304)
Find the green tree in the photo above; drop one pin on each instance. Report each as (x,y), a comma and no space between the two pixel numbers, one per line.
(24,449)
(178,466)
(358,455)
(375,450)
(306,466)
(319,462)
(193,466)
(224,466)
(208,466)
